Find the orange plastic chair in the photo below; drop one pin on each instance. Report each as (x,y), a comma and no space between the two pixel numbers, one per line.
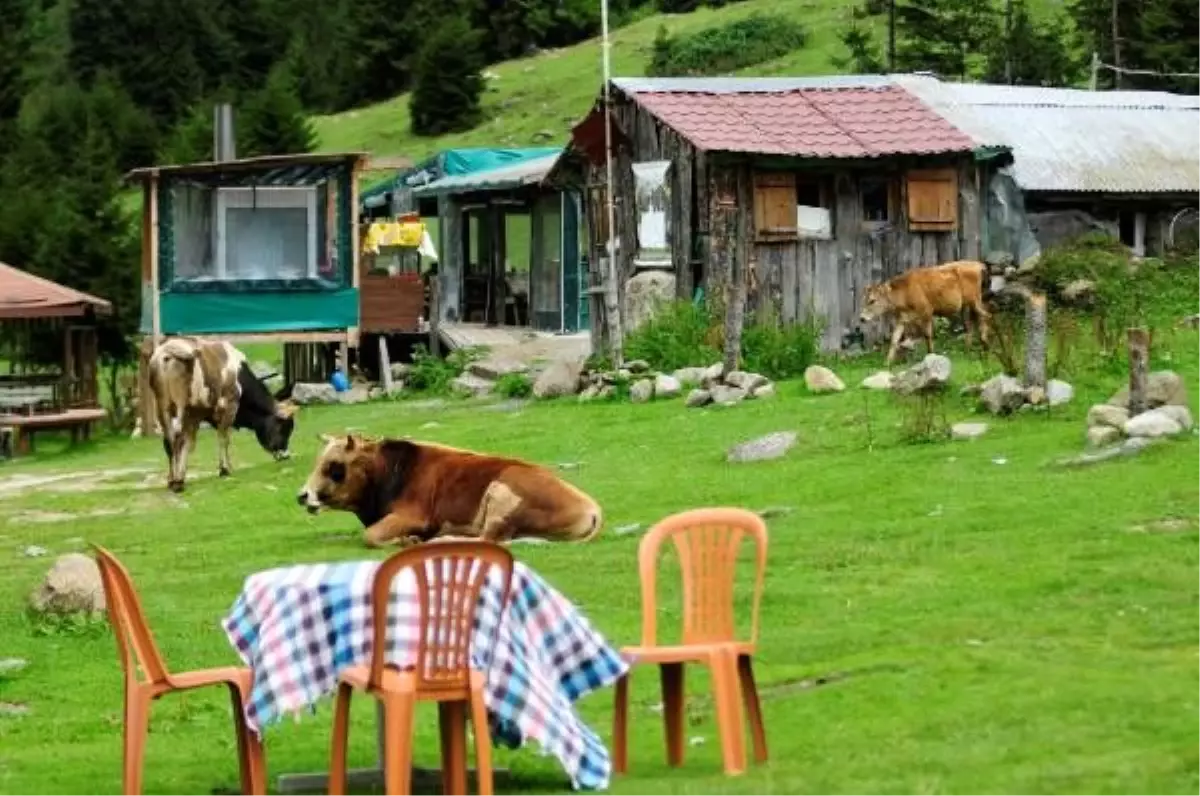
(707,541)
(129,626)
(448,591)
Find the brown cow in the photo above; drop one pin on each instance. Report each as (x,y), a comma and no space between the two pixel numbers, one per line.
(195,381)
(916,296)
(405,492)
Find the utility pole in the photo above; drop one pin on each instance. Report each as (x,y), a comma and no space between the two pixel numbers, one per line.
(891,35)
(1093,84)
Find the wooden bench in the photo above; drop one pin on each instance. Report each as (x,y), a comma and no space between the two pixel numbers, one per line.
(23,427)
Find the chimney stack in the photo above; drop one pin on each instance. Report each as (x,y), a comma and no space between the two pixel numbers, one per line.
(224,143)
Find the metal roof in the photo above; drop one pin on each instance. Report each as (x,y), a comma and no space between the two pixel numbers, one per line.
(526,172)
(23,295)
(1071,140)
(744,85)
(263,163)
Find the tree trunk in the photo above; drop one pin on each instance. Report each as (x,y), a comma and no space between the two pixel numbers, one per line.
(1139,364)
(612,313)
(735,251)
(1035,341)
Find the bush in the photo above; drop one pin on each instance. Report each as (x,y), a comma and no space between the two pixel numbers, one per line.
(430,374)
(514,385)
(780,351)
(677,336)
(752,40)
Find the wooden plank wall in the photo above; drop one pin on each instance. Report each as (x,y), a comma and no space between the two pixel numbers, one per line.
(450,262)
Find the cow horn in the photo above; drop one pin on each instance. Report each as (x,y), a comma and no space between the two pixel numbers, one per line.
(349,443)
(286,409)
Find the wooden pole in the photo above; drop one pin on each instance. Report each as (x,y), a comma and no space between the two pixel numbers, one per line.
(435,317)
(1035,341)
(156,310)
(1139,365)
(1116,44)
(355,275)
(734,250)
(1094,82)
(385,365)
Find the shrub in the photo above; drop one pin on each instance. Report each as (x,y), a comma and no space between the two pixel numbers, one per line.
(745,42)
(677,336)
(780,351)
(514,385)
(430,374)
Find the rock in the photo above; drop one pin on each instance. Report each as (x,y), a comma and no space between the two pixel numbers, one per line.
(747,381)
(698,398)
(763,391)
(772,446)
(690,377)
(931,373)
(35,551)
(607,391)
(774,511)
(561,377)
(820,379)
(1099,436)
(305,393)
(1078,290)
(1154,423)
(637,366)
(1059,392)
(1130,447)
(590,393)
(724,395)
(472,384)
(1163,388)
(965,431)
(1002,394)
(72,585)
(12,665)
(493,369)
(13,709)
(626,530)
(1189,322)
(358,394)
(641,391)
(1107,415)
(1035,396)
(713,374)
(400,370)
(667,386)
(971,390)
(1180,414)
(644,294)
(881,380)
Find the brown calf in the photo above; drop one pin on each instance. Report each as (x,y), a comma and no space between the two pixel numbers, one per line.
(916,296)
(405,492)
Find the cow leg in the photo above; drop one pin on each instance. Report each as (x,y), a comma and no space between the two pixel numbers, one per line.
(402,526)
(224,435)
(496,512)
(897,335)
(184,442)
(928,334)
(984,319)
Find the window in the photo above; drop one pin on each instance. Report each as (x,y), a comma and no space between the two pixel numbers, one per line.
(875,193)
(813,218)
(933,200)
(775,206)
(266,233)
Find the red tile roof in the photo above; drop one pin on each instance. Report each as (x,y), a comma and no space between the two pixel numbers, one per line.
(851,122)
(23,295)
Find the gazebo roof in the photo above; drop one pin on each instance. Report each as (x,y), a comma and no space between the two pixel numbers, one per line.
(23,295)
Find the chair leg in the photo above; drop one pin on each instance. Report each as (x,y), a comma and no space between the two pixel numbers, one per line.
(729,711)
(137,723)
(341,736)
(671,675)
(620,741)
(251,759)
(397,742)
(483,744)
(758,731)
(452,721)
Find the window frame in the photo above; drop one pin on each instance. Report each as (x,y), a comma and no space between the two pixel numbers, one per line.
(281,197)
(889,187)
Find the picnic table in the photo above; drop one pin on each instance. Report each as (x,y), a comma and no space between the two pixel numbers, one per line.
(298,627)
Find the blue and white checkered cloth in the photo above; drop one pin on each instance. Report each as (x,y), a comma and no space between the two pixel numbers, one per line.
(298,627)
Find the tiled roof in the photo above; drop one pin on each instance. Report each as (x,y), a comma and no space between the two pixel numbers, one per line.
(23,295)
(853,121)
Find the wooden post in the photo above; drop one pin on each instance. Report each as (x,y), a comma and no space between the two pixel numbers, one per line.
(155,310)
(355,275)
(1139,364)
(435,318)
(1035,341)
(734,248)
(146,413)
(385,365)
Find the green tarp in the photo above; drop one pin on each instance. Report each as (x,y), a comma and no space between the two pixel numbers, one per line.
(249,312)
(452,162)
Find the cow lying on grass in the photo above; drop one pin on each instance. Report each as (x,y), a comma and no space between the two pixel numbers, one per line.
(405,492)
(916,296)
(196,382)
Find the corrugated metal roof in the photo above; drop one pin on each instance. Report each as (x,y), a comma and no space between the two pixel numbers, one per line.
(848,118)
(247,164)
(1072,140)
(744,85)
(526,172)
(23,295)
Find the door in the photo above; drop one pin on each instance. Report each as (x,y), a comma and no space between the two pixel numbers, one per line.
(545,277)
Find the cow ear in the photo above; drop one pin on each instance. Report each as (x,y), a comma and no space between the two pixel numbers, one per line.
(349,443)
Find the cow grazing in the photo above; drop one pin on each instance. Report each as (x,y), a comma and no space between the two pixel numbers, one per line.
(405,492)
(194,382)
(916,296)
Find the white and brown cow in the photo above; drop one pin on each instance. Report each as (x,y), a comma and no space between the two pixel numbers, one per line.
(196,382)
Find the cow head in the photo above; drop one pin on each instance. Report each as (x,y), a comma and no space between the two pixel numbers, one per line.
(341,476)
(275,433)
(877,302)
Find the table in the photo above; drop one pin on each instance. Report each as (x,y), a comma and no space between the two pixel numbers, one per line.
(298,627)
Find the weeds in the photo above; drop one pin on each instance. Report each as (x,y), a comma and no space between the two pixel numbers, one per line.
(514,385)
(433,375)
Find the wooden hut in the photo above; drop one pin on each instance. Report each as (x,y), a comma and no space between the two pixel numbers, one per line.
(801,191)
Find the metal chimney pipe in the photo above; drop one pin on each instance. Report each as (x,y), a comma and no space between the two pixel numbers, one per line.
(224,143)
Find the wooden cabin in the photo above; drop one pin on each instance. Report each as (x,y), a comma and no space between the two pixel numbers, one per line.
(806,189)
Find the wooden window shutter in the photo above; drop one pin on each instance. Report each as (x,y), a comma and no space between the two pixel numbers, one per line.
(932,200)
(775,206)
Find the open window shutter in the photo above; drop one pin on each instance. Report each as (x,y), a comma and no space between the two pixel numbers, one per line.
(775,206)
(933,200)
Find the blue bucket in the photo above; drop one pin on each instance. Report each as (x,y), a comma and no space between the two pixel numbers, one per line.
(339,381)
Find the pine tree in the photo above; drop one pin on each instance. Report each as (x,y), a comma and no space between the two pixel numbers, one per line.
(448,80)
(863,55)
(14,48)
(942,35)
(273,122)
(1170,43)
(1032,54)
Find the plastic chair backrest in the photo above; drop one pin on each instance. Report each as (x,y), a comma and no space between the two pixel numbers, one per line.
(707,541)
(128,621)
(450,577)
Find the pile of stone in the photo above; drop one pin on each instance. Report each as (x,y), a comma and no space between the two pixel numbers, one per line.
(712,385)
(1166,415)
(930,375)
(1003,394)
(709,385)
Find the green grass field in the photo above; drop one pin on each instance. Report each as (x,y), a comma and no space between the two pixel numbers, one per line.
(940,617)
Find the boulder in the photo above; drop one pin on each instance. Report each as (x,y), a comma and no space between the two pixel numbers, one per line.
(472,384)
(931,373)
(494,368)
(637,366)
(698,398)
(590,393)
(1035,396)
(1059,392)
(305,393)
(713,374)
(645,292)
(725,395)
(1155,423)
(820,379)
(964,431)
(358,394)
(880,380)
(772,446)
(667,386)
(401,370)
(72,585)
(1002,394)
(747,381)
(641,391)
(1078,291)
(690,377)
(1163,388)
(1180,414)
(763,391)
(1107,415)
(561,377)
(1099,436)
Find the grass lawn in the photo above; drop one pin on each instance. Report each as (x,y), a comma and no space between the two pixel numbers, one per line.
(951,617)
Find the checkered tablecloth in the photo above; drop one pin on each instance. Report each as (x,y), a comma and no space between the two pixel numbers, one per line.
(298,627)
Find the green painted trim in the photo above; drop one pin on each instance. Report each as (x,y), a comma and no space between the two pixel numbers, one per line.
(247,312)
